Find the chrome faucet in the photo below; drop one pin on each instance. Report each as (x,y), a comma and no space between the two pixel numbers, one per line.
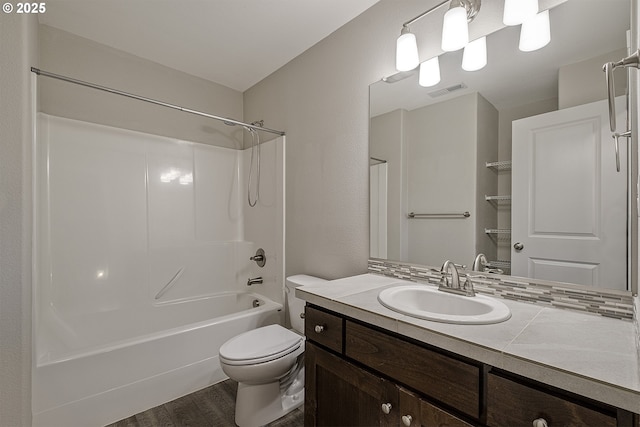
(254,281)
(454,286)
(479,263)
(455,277)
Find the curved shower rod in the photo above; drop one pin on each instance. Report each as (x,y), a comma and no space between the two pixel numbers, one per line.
(153,101)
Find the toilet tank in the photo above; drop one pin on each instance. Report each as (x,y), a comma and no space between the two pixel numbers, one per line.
(296,305)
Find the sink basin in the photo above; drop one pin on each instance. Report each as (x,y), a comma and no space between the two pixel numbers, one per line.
(425,302)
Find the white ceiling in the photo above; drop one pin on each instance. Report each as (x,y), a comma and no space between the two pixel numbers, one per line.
(235,43)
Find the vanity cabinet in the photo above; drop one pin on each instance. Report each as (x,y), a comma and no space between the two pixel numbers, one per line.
(359,375)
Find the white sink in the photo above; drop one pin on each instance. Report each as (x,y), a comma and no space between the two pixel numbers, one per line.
(425,302)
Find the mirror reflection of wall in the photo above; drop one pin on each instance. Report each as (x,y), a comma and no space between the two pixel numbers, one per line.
(441,150)
(437,141)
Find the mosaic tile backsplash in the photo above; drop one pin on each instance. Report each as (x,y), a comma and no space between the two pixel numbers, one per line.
(596,301)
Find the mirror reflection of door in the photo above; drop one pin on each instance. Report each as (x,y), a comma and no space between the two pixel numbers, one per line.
(569,219)
(378,208)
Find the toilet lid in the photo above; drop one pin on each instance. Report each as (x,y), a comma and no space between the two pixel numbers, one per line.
(260,345)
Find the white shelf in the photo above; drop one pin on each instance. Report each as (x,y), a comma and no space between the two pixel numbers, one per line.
(498,198)
(503,165)
(496,231)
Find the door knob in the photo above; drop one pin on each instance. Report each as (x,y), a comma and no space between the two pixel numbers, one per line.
(518,246)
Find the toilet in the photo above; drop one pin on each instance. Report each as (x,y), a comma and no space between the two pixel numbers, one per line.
(268,364)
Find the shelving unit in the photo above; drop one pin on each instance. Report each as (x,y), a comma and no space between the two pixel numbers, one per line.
(502,203)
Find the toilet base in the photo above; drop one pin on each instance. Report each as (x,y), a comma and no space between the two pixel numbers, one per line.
(257,405)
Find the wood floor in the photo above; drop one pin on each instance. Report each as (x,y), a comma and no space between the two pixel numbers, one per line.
(211,407)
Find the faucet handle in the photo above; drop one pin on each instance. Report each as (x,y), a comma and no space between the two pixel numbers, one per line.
(260,257)
(468,285)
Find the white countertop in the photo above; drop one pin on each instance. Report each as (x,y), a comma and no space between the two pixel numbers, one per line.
(590,355)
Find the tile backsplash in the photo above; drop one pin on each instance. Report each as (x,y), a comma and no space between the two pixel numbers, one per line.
(559,295)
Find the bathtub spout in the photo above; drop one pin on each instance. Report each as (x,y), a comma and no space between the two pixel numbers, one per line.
(254,281)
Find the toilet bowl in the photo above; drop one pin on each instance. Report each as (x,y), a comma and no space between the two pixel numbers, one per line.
(268,364)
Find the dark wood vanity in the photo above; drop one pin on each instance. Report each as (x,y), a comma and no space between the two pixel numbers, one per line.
(360,375)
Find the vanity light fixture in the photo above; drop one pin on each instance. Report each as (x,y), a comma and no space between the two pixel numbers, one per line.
(455,26)
(406,50)
(429,72)
(455,30)
(518,11)
(474,56)
(455,33)
(535,32)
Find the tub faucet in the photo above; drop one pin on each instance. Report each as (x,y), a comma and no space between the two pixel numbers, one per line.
(454,286)
(254,281)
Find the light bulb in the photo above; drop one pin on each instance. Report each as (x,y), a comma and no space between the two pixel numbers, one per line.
(406,51)
(517,12)
(474,56)
(429,72)
(455,30)
(535,32)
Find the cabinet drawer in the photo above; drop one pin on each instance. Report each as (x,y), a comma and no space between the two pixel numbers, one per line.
(450,381)
(510,403)
(323,328)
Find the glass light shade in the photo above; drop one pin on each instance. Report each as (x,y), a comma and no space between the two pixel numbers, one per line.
(406,52)
(535,33)
(474,56)
(455,30)
(517,12)
(429,72)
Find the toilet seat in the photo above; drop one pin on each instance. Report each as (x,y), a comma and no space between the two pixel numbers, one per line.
(260,345)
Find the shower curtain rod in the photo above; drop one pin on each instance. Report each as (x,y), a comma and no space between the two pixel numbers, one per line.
(152,101)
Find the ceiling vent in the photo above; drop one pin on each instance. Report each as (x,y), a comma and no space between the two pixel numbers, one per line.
(447,90)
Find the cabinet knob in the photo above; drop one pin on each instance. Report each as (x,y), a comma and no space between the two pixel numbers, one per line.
(386,408)
(319,328)
(540,422)
(406,420)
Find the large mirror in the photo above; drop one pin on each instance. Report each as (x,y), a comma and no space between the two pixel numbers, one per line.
(515,161)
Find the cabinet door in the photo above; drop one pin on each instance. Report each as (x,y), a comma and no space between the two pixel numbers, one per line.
(416,412)
(338,393)
(510,403)
(432,416)
(444,379)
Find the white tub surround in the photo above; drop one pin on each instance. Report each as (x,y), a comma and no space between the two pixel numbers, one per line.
(141,261)
(585,354)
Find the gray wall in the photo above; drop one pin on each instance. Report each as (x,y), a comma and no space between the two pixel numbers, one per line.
(18,44)
(321,99)
(83,59)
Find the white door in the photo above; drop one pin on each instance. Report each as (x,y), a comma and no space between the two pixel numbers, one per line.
(569,205)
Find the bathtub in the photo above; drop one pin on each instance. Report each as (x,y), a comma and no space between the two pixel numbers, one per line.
(97,369)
